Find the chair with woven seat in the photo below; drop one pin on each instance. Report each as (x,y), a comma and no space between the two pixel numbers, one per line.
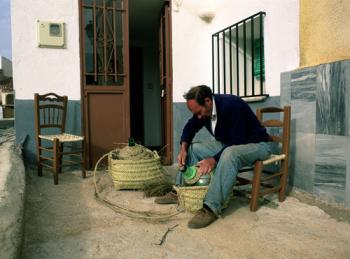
(270,175)
(52,142)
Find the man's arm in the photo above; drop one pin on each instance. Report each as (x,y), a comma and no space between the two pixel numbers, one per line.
(192,126)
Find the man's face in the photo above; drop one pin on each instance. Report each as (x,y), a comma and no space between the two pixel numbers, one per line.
(201,111)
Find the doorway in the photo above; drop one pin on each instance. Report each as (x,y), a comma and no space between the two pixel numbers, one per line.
(148,90)
(126,75)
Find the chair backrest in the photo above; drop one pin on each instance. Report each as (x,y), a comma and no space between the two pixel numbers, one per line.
(277,122)
(50,112)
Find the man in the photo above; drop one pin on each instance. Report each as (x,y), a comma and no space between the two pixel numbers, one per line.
(239,141)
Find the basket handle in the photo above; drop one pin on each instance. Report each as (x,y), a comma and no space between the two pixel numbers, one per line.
(156,154)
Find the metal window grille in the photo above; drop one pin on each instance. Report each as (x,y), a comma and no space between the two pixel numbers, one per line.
(102,41)
(238,58)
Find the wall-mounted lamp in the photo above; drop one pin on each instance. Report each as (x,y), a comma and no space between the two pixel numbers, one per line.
(207,9)
(176,5)
(206,14)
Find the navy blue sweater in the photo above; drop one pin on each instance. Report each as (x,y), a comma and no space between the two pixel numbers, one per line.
(236,124)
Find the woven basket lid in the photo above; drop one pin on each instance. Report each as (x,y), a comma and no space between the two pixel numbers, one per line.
(136,152)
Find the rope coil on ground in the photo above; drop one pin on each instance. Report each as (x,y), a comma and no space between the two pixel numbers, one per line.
(127,211)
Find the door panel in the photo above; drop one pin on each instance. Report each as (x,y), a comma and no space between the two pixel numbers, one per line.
(105,80)
(165,64)
(105,131)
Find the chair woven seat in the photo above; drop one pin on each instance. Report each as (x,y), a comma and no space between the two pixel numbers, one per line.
(64,137)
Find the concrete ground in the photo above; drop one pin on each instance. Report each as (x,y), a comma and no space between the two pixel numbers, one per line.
(12,193)
(66,221)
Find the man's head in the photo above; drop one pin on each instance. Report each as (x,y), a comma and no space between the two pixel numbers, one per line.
(199,100)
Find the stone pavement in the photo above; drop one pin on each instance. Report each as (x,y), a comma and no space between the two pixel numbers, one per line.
(65,221)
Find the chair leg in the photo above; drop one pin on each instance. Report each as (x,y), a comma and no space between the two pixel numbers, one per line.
(256,185)
(38,159)
(55,160)
(283,182)
(60,157)
(83,165)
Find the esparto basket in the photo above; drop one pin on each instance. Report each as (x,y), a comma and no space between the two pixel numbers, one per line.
(191,197)
(135,174)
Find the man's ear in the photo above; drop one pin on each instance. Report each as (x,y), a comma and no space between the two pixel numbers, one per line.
(207,101)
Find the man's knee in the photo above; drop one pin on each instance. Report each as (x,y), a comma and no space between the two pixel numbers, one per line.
(231,155)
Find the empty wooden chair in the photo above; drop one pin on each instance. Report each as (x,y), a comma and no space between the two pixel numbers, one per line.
(274,178)
(52,142)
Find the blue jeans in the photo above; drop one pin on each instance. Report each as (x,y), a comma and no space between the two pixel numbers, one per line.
(232,159)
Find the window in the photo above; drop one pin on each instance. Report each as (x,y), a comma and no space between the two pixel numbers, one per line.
(103,42)
(238,58)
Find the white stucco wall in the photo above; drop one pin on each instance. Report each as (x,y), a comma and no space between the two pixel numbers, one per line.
(192,39)
(44,70)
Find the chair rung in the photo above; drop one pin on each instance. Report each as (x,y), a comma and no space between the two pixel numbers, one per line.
(267,185)
(75,152)
(243,180)
(46,149)
(270,190)
(70,162)
(272,123)
(246,169)
(274,158)
(46,165)
(271,176)
(46,158)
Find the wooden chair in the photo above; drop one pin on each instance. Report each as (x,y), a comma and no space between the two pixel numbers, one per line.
(50,121)
(277,163)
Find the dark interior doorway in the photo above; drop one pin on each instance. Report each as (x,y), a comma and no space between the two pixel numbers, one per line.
(145,100)
(136,94)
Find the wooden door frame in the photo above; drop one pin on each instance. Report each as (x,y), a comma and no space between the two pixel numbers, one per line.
(167,126)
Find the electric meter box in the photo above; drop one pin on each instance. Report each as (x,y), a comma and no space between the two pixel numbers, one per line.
(51,34)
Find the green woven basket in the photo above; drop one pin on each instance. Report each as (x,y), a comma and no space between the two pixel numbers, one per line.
(191,197)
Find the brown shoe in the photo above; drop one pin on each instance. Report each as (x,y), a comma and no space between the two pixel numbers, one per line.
(204,217)
(169,198)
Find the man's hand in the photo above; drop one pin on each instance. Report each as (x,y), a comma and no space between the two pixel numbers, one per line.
(206,165)
(181,157)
